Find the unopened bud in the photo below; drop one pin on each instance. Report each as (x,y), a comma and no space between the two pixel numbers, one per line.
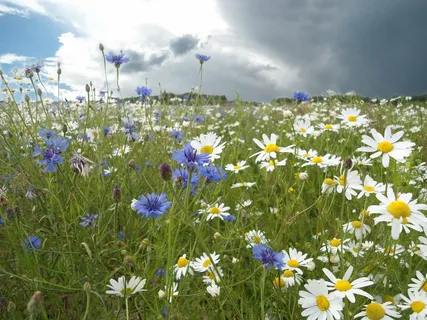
(11,307)
(35,305)
(87,286)
(87,88)
(64,128)
(117,195)
(90,83)
(101,47)
(348,163)
(217,235)
(145,242)
(39,92)
(29,74)
(59,71)
(130,261)
(123,252)
(131,163)
(303,176)
(165,172)
(27,98)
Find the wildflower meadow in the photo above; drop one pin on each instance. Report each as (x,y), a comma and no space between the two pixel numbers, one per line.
(159,208)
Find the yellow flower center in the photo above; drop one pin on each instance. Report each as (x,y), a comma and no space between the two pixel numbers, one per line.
(271,163)
(388,298)
(207,263)
(317,160)
(368,188)
(355,249)
(182,262)
(237,167)
(418,306)
(211,275)
(342,180)
(288,274)
(126,291)
(328,127)
(322,303)
(305,155)
(329,181)
(356,224)
(375,311)
(256,239)
(343,285)
(365,213)
(293,263)
(95,133)
(424,287)
(279,282)
(335,242)
(389,250)
(207,149)
(303,130)
(415,249)
(399,209)
(404,220)
(385,147)
(271,148)
(121,150)
(215,210)
(352,118)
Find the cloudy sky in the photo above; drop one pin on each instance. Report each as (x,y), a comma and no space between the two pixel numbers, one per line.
(261,49)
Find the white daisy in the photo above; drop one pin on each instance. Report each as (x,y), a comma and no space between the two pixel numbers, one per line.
(370,186)
(203,263)
(329,186)
(349,184)
(269,148)
(419,283)
(216,211)
(423,247)
(291,278)
(272,164)
(209,143)
(255,237)
(387,146)
(182,266)
(358,228)
(119,152)
(121,288)
(303,127)
(327,160)
(354,248)
(243,184)
(294,260)
(328,127)
(417,302)
(236,168)
(399,211)
(318,303)
(213,274)
(376,311)
(303,154)
(169,292)
(351,117)
(344,288)
(213,289)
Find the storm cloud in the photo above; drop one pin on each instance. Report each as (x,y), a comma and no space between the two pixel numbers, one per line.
(182,45)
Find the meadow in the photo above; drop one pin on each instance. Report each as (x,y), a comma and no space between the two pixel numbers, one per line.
(188,209)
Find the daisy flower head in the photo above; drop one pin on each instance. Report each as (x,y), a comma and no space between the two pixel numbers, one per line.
(352,118)
(419,283)
(125,289)
(328,127)
(255,237)
(152,205)
(209,143)
(417,302)
(329,185)
(355,249)
(358,228)
(370,186)
(183,265)
(268,256)
(378,311)
(291,278)
(241,165)
(318,303)
(213,275)
(216,211)
(169,292)
(269,148)
(399,211)
(213,289)
(333,246)
(327,160)
(303,127)
(304,154)
(272,164)
(203,263)
(422,248)
(348,184)
(294,260)
(387,146)
(344,288)
(119,152)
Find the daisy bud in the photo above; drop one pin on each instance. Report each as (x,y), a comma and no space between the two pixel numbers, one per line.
(128,260)
(365,214)
(287,113)
(27,98)
(20,89)
(87,287)
(165,172)
(35,305)
(123,252)
(217,235)
(101,47)
(303,176)
(144,244)
(11,307)
(117,195)
(39,92)
(131,163)
(348,163)
(311,265)
(64,128)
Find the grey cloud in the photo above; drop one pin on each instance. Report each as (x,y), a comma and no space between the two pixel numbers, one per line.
(143,62)
(372,47)
(183,44)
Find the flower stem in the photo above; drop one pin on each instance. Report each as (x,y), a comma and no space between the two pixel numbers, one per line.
(87,305)
(127,309)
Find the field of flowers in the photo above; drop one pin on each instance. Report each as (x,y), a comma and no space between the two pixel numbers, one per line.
(148,210)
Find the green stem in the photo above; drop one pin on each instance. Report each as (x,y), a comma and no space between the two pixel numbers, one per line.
(87,305)
(127,309)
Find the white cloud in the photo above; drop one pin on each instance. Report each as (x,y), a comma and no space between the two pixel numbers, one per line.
(10,10)
(10,58)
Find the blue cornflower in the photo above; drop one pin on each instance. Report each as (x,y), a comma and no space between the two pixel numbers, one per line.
(189,157)
(202,58)
(33,242)
(230,218)
(104,163)
(301,96)
(143,92)
(160,272)
(117,59)
(268,256)
(47,133)
(52,156)
(90,219)
(80,99)
(181,176)
(1,222)
(102,93)
(198,119)
(179,135)
(212,173)
(107,131)
(37,67)
(129,129)
(151,206)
